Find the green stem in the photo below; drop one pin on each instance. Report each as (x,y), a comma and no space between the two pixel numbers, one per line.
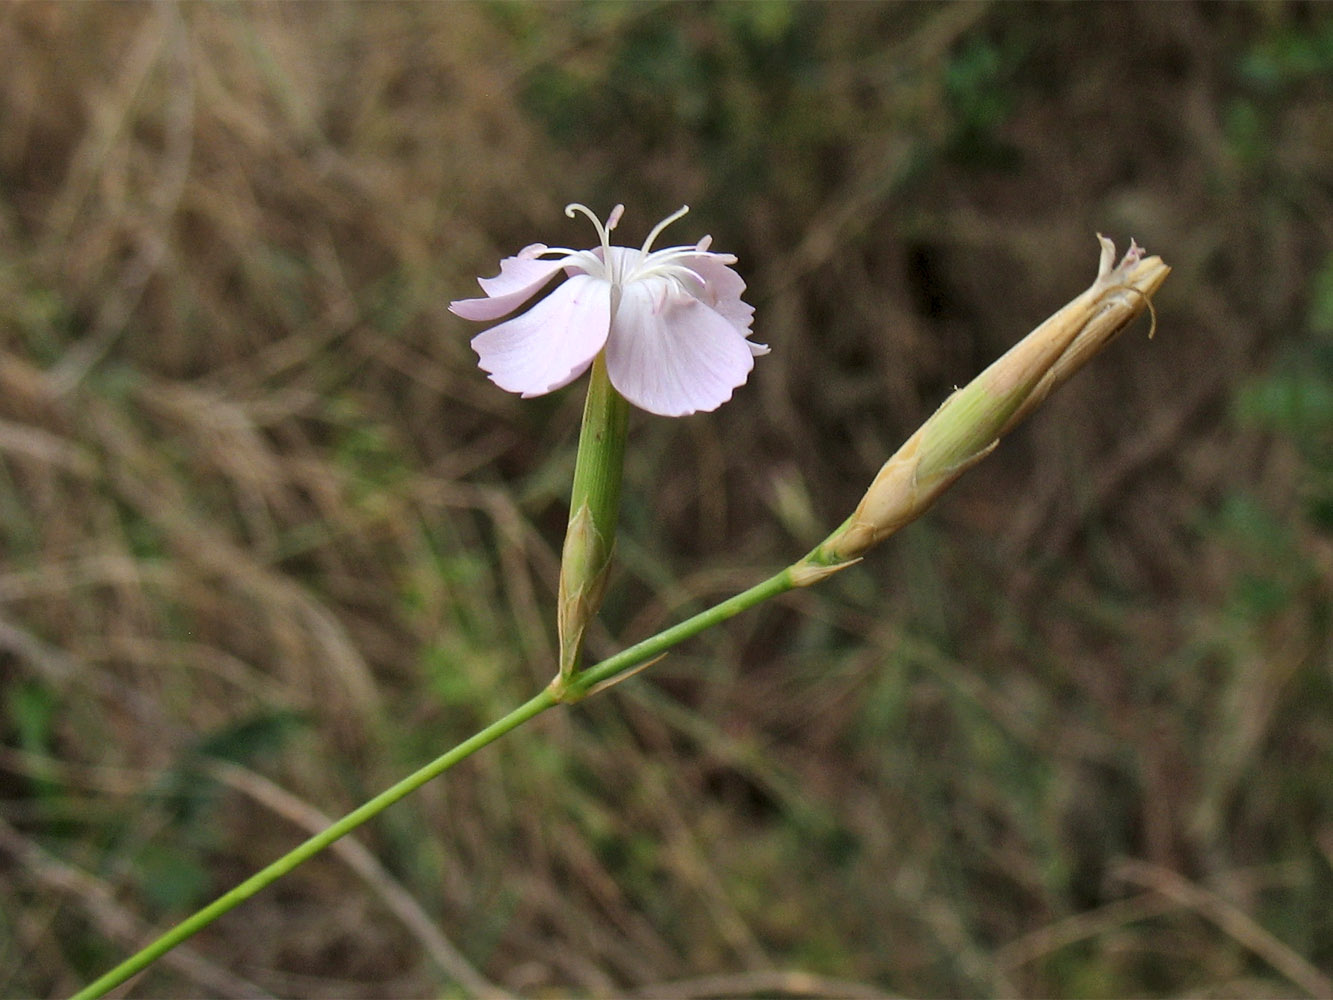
(198,921)
(594,507)
(601,455)
(597,677)
(585,682)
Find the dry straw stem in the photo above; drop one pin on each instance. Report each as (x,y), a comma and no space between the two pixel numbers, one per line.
(971,422)
(1233,921)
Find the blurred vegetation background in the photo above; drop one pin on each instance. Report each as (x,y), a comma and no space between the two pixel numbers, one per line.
(270,540)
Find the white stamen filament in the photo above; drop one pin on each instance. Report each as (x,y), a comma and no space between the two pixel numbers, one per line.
(603,231)
(657,229)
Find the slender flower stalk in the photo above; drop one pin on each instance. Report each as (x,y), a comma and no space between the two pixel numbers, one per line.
(648,651)
(306,850)
(590,681)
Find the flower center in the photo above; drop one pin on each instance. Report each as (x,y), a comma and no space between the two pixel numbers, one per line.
(620,266)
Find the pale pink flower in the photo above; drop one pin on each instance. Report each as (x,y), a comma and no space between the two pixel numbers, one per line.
(671,321)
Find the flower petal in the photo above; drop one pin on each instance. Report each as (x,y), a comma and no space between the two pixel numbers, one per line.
(722,287)
(520,278)
(552,343)
(671,354)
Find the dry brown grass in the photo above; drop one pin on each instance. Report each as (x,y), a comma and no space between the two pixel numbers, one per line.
(270,540)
